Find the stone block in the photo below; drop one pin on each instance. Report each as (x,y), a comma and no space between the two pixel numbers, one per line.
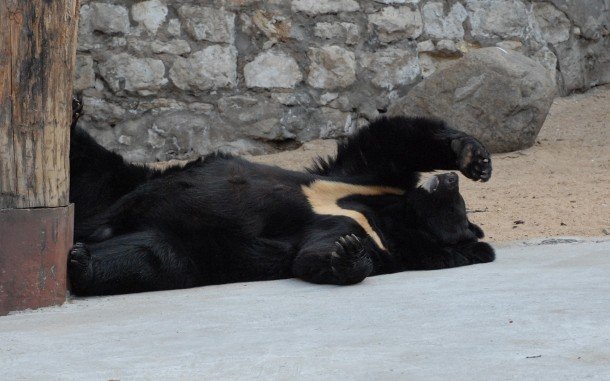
(109,18)
(439,25)
(151,14)
(316,7)
(176,46)
(84,76)
(396,23)
(211,68)
(348,33)
(272,69)
(125,72)
(392,67)
(331,67)
(491,19)
(209,24)
(554,25)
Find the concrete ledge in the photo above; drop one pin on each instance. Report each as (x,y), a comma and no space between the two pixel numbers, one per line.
(540,312)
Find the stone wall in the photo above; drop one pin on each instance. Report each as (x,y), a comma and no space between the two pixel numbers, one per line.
(164,79)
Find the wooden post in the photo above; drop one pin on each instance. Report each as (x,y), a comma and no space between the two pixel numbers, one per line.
(37,54)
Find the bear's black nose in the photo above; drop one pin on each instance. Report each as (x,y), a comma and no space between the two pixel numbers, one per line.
(451,180)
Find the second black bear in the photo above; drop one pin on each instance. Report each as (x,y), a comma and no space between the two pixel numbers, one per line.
(223,219)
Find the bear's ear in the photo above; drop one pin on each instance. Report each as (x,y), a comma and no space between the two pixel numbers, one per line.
(431,185)
(77,111)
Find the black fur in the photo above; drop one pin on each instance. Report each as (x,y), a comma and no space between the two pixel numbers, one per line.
(223,219)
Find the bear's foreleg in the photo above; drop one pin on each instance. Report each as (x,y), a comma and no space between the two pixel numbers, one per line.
(426,254)
(392,151)
(333,255)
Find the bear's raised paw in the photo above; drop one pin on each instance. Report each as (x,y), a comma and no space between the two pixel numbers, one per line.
(473,159)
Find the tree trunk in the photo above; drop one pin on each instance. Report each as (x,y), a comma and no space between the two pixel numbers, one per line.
(37,55)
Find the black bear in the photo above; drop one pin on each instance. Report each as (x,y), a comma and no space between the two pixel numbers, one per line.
(222,219)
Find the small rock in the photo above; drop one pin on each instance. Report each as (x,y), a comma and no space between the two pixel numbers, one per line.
(426,46)
(292,99)
(447,47)
(176,47)
(125,140)
(84,76)
(174,28)
(200,107)
(326,98)
(316,7)
(397,1)
(273,25)
(510,45)
(159,105)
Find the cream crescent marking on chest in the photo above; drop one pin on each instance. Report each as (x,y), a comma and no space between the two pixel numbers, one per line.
(323,196)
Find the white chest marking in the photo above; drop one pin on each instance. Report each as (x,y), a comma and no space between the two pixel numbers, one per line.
(323,196)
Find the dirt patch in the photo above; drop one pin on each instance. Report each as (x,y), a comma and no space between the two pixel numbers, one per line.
(559,187)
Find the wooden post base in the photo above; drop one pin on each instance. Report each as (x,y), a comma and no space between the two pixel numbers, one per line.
(34,245)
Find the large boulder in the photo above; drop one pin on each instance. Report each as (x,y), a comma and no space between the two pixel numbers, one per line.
(499,96)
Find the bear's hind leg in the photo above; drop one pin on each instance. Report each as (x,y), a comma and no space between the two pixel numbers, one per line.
(135,262)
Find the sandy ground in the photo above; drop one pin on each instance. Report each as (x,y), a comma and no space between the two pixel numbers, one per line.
(559,187)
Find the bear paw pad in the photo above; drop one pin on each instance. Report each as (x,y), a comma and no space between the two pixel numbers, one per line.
(350,261)
(474,161)
(79,267)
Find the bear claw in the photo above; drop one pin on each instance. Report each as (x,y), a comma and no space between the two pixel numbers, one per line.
(349,260)
(79,267)
(473,160)
(79,254)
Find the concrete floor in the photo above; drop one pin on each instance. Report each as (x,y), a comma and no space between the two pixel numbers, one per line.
(540,312)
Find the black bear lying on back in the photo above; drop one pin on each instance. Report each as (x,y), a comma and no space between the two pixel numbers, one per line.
(223,219)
